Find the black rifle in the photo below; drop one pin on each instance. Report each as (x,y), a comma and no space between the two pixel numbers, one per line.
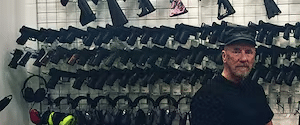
(273,72)
(196,73)
(163,35)
(271,8)
(29,33)
(181,54)
(276,51)
(216,31)
(297,31)
(73,33)
(135,33)
(184,31)
(282,74)
(56,75)
(117,16)
(263,52)
(229,9)
(260,72)
(146,6)
(86,14)
(205,31)
(92,34)
(288,28)
(147,33)
(295,68)
(16,56)
(146,52)
(197,55)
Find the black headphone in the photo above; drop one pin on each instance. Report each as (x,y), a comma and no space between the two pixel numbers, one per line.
(29,95)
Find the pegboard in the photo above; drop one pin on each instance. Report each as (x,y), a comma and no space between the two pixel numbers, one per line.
(51,14)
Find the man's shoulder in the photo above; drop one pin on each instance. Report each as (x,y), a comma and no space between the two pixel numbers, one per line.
(212,87)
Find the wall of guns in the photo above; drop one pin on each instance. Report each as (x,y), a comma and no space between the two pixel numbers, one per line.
(104,54)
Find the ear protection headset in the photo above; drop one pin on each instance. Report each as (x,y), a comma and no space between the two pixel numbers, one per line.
(29,95)
(57,118)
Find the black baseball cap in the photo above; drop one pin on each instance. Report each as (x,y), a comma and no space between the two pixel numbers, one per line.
(238,34)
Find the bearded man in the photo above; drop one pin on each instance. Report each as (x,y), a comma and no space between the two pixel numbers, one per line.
(232,98)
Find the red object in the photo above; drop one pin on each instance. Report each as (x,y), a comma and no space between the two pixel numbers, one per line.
(34,116)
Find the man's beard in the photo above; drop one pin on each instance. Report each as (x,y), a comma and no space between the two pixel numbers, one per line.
(242,73)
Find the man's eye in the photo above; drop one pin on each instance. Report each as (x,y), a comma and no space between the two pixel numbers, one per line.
(248,51)
(236,51)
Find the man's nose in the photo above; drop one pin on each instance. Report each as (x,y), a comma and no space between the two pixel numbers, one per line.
(243,57)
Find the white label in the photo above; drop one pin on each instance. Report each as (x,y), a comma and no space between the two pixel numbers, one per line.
(165,88)
(155,89)
(145,89)
(186,88)
(135,89)
(176,89)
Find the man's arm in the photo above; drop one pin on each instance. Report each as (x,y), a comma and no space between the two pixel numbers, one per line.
(270,123)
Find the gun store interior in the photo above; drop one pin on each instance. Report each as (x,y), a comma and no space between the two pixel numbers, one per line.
(150,62)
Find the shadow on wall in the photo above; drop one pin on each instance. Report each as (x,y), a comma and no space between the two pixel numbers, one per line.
(12,83)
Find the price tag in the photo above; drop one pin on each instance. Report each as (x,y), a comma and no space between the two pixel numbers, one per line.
(124,90)
(165,88)
(176,89)
(297,88)
(275,88)
(145,89)
(186,88)
(155,89)
(135,89)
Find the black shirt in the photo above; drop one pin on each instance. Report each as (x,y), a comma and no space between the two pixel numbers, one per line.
(222,102)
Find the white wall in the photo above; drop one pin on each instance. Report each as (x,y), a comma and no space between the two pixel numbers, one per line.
(14,14)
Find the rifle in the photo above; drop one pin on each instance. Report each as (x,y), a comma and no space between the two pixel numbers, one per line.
(163,35)
(135,33)
(184,31)
(260,72)
(86,13)
(92,34)
(273,72)
(271,8)
(229,9)
(276,51)
(117,16)
(295,68)
(147,33)
(146,6)
(297,31)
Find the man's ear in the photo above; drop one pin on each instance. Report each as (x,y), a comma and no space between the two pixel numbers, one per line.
(223,56)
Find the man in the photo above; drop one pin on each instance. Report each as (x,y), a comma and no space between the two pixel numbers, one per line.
(231,98)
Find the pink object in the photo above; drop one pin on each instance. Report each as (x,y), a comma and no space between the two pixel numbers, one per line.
(177,8)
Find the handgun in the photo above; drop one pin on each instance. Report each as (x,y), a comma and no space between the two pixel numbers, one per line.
(56,75)
(28,33)
(16,56)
